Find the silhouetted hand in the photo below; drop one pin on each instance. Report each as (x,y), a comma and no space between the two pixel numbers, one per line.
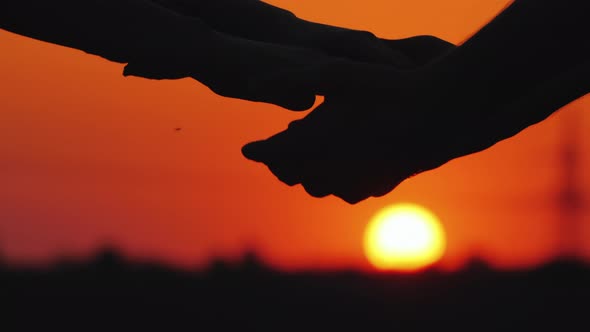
(223,43)
(256,40)
(346,146)
(257,20)
(228,65)
(380,125)
(384,125)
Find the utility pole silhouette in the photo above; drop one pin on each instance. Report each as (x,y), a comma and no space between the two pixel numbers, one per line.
(570,198)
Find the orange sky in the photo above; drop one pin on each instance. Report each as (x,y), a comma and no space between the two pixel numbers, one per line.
(89,157)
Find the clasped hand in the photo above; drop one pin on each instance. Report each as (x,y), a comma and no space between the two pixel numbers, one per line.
(264,53)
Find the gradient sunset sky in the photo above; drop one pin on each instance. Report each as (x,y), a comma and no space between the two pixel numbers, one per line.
(88,157)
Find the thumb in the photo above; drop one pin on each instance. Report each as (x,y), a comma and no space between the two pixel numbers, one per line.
(254,151)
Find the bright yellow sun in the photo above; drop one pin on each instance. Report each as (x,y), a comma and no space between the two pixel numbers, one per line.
(404,237)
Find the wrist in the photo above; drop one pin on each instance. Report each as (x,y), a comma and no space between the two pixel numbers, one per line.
(171,49)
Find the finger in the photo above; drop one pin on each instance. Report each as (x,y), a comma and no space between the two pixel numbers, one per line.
(296,101)
(362,46)
(339,77)
(291,100)
(314,190)
(283,164)
(285,97)
(339,174)
(272,149)
(420,49)
(351,196)
(352,177)
(254,151)
(357,186)
(143,69)
(384,187)
(321,177)
(291,155)
(285,173)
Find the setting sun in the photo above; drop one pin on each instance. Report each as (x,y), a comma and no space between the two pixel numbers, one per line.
(404,237)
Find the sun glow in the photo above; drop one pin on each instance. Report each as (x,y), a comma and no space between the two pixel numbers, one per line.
(404,237)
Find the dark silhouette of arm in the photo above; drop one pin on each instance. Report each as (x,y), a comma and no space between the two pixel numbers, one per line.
(116,30)
(122,29)
(160,43)
(530,42)
(257,20)
(221,43)
(250,19)
(379,125)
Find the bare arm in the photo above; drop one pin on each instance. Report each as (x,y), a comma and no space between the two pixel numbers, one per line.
(115,30)
(221,43)
(250,19)
(379,126)
(158,42)
(257,20)
(530,42)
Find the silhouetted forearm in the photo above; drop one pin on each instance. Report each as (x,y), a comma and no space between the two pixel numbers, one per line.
(530,42)
(114,29)
(257,20)
(250,19)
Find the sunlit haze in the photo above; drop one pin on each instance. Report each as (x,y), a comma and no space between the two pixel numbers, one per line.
(404,237)
(90,158)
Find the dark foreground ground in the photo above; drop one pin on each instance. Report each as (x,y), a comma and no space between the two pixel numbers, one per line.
(109,294)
